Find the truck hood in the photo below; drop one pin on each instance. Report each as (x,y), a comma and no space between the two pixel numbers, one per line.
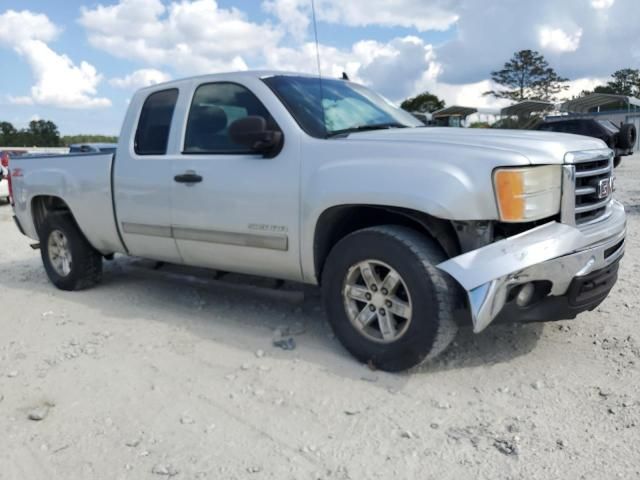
(538,147)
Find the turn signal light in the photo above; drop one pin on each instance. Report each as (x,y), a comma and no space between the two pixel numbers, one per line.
(528,194)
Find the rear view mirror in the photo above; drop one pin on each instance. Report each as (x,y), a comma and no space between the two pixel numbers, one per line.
(252,132)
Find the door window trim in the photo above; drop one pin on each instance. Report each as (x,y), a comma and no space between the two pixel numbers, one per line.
(135,136)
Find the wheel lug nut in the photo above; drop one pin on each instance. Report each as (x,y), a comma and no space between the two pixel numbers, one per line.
(374,288)
(388,303)
(385,291)
(382,312)
(372,308)
(367,296)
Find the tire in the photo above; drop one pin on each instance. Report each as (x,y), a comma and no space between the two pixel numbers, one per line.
(431,293)
(84,263)
(617,160)
(627,136)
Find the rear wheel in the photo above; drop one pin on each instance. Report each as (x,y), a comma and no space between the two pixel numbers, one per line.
(387,302)
(70,261)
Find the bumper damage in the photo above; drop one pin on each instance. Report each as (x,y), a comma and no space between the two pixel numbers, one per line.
(554,253)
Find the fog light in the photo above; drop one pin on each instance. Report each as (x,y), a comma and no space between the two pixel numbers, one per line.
(525,294)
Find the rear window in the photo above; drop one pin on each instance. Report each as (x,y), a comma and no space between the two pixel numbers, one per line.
(609,126)
(152,135)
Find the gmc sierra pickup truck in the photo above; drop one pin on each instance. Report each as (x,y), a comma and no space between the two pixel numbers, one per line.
(408,230)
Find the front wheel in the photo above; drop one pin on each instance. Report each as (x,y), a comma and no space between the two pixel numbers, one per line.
(69,259)
(387,302)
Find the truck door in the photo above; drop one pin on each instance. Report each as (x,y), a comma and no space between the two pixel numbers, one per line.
(233,209)
(142,180)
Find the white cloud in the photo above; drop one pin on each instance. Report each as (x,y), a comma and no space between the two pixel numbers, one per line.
(293,15)
(418,14)
(140,78)
(59,82)
(393,68)
(18,27)
(557,40)
(602,4)
(488,33)
(576,87)
(190,36)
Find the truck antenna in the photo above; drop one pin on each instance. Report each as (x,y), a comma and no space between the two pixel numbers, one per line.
(315,33)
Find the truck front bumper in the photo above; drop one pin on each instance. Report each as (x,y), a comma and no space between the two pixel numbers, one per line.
(555,257)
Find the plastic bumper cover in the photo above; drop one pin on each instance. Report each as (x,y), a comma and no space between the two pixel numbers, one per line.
(555,252)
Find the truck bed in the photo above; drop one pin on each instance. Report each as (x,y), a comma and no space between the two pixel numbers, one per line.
(83,181)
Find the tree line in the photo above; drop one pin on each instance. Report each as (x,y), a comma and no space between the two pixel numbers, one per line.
(528,76)
(44,133)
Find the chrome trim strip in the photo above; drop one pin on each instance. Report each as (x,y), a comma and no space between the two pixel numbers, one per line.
(269,242)
(585,191)
(147,230)
(588,155)
(594,172)
(568,199)
(594,206)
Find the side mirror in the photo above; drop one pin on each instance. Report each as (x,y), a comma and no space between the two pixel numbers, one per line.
(252,133)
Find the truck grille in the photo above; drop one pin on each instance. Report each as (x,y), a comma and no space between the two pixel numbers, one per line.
(593,189)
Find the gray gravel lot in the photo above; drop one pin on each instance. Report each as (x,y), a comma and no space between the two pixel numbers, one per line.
(172,373)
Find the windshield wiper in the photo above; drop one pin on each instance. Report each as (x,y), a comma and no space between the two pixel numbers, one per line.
(365,128)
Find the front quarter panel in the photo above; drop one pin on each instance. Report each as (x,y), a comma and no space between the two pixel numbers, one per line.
(452,183)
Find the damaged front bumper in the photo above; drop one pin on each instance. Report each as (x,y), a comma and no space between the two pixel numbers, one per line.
(555,253)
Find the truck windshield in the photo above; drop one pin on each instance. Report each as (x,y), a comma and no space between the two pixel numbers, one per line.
(326,108)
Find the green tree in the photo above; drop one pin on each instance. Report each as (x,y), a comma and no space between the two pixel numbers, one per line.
(623,82)
(527,76)
(424,103)
(72,139)
(8,133)
(40,133)
(44,133)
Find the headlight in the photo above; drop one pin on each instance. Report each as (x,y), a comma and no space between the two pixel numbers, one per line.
(527,194)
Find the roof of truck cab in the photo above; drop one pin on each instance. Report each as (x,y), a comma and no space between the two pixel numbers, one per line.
(238,74)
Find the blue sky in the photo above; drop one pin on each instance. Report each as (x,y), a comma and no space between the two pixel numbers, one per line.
(77,62)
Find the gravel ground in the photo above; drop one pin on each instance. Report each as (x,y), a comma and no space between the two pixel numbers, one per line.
(172,373)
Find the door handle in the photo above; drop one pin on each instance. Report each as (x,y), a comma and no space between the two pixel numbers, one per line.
(188,177)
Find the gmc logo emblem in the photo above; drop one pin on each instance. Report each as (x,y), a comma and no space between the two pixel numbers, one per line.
(604,187)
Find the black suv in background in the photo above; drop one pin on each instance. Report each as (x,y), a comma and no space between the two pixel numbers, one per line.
(620,139)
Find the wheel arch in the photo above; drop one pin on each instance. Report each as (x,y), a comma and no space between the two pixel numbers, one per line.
(337,222)
(44,205)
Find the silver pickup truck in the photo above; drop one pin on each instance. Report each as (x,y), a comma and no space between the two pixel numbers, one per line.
(408,230)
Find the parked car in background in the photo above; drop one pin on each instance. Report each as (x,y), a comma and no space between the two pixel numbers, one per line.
(4,183)
(405,228)
(93,148)
(619,139)
(4,172)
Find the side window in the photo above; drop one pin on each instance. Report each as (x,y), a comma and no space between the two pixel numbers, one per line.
(215,106)
(152,134)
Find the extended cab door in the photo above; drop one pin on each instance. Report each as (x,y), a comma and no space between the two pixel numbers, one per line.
(233,209)
(142,178)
